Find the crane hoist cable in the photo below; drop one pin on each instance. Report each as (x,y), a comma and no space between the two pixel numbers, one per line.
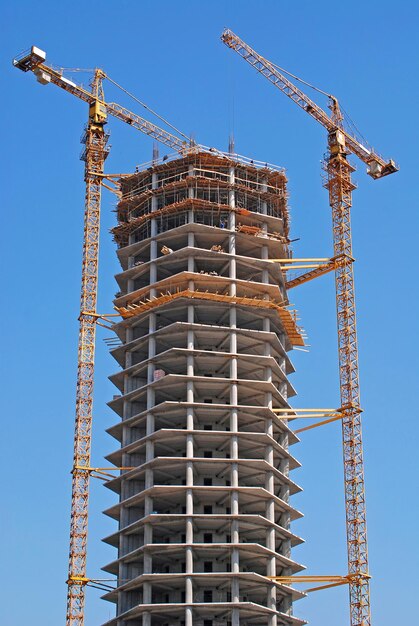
(162,119)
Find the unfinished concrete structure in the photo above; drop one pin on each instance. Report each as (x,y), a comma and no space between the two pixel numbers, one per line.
(204,515)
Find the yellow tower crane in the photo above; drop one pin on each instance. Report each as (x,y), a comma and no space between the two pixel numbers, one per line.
(95,153)
(338,182)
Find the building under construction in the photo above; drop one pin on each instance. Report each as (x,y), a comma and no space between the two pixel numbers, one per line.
(204,512)
(203,467)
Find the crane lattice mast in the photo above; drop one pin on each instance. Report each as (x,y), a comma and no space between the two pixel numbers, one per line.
(94,156)
(340,187)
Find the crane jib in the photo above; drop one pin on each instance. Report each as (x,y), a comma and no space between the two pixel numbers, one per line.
(377,166)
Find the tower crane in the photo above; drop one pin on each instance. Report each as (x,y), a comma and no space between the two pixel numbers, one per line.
(95,153)
(341,143)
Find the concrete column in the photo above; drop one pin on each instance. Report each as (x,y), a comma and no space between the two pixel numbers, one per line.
(270,485)
(153,243)
(150,404)
(270,533)
(148,569)
(264,208)
(234,446)
(232,235)
(191,195)
(191,190)
(231,193)
(265,256)
(149,475)
(264,188)
(189,470)
(124,515)
(234,454)
(191,259)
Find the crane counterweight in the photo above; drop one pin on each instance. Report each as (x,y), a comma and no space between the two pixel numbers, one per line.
(29,59)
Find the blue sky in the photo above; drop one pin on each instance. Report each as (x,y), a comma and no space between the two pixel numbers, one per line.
(169,54)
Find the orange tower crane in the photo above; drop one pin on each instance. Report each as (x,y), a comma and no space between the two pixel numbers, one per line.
(95,139)
(338,182)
